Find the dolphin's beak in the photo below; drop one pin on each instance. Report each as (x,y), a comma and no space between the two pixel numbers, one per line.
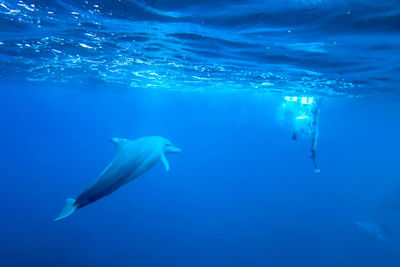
(174,149)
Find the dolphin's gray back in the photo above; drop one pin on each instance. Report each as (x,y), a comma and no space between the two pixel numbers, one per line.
(132,160)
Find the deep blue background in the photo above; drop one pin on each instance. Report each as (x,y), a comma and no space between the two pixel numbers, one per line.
(241,193)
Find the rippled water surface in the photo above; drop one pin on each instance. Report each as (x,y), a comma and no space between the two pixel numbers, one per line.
(321,47)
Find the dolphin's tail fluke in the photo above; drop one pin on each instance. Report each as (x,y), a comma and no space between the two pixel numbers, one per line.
(68,209)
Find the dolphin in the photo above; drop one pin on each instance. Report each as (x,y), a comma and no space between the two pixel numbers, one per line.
(133,158)
(372,228)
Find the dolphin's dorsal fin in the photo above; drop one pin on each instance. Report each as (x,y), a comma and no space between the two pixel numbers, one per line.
(118,142)
(165,161)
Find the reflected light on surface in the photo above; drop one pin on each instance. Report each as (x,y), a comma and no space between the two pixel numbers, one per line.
(305,100)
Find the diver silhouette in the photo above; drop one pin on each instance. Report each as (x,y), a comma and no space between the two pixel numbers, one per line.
(306,122)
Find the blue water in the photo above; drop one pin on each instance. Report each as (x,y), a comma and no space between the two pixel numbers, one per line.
(217,78)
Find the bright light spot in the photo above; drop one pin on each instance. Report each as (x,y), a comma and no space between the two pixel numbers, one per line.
(199,78)
(307,100)
(30,9)
(85,46)
(291,98)
(267,84)
(302,117)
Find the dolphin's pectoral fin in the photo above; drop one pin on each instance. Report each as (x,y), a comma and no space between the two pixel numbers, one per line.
(118,141)
(165,162)
(67,210)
